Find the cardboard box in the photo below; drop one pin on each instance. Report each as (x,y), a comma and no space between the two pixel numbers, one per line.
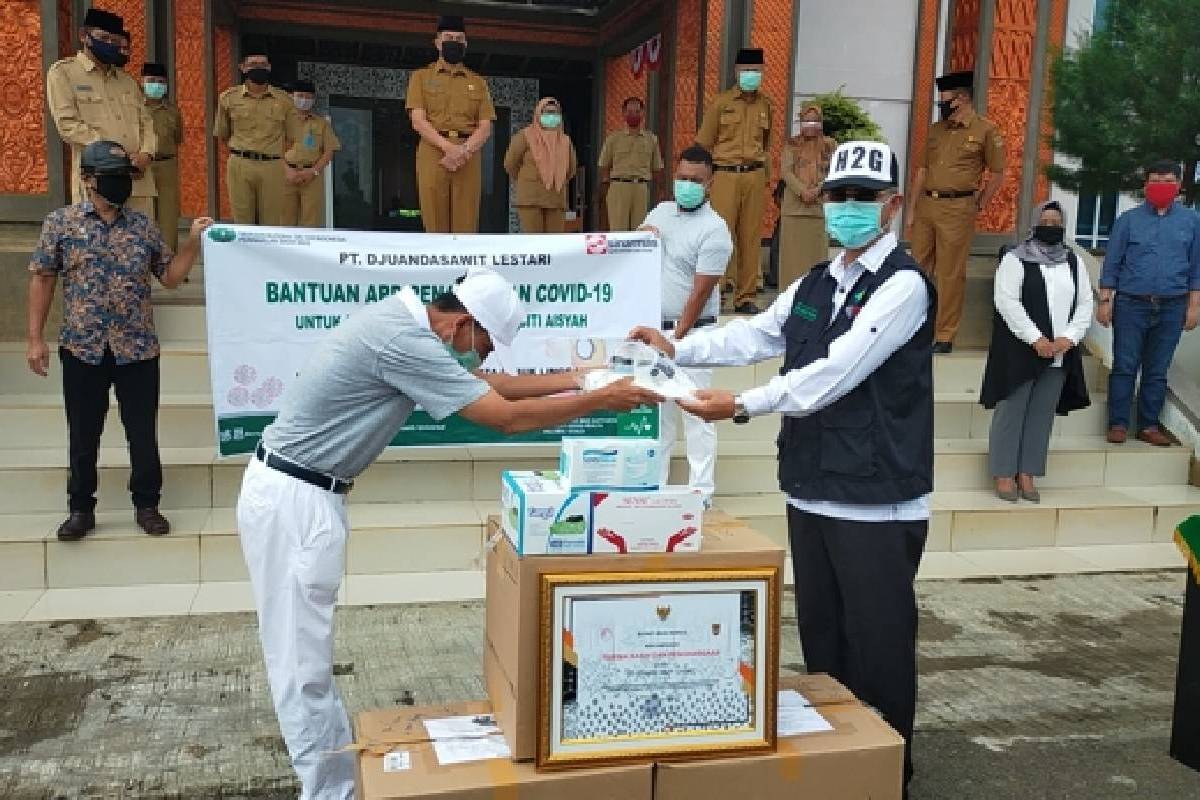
(401,731)
(510,663)
(668,520)
(540,516)
(607,464)
(861,758)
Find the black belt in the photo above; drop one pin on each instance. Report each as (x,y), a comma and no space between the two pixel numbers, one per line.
(949,195)
(739,167)
(318,479)
(1154,299)
(456,134)
(703,322)
(297,166)
(164,158)
(253,156)
(630,180)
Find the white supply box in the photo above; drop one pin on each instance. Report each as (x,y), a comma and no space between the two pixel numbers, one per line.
(664,521)
(624,464)
(541,517)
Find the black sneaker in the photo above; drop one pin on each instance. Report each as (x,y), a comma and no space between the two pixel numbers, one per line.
(943,347)
(78,525)
(747,308)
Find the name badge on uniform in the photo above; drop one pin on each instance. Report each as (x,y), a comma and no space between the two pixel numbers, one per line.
(471,87)
(805,312)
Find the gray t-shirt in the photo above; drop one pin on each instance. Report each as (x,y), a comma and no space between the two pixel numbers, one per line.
(360,386)
(694,243)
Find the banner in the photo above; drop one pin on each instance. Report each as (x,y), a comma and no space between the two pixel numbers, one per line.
(272,294)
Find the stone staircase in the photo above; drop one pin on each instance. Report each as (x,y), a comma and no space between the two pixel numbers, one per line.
(418,514)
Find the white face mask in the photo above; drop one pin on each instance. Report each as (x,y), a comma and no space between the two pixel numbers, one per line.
(303,103)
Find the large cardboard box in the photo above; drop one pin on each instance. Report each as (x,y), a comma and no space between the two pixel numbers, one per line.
(861,758)
(510,663)
(400,731)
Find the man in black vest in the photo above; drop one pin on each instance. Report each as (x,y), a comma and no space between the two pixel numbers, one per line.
(856,450)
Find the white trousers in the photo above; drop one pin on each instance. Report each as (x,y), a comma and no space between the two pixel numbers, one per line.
(294,540)
(700,438)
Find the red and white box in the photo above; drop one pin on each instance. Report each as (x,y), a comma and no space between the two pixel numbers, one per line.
(668,520)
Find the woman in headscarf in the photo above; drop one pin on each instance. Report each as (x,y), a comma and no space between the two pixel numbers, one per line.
(804,165)
(541,159)
(1034,366)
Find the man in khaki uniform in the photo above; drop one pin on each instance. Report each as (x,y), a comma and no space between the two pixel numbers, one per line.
(313,144)
(451,109)
(92,98)
(946,197)
(628,159)
(168,128)
(737,129)
(252,121)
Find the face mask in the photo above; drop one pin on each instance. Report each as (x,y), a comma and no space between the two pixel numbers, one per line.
(453,52)
(749,80)
(259,75)
(469,360)
(1161,195)
(303,103)
(550,120)
(854,222)
(114,188)
(1049,234)
(107,53)
(946,108)
(688,194)
(154,91)
(809,128)
(633,119)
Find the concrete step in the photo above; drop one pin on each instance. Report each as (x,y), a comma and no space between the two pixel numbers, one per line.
(184,369)
(420,537)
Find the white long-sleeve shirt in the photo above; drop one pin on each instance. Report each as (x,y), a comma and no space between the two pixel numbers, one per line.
(890,317)
(1060,291)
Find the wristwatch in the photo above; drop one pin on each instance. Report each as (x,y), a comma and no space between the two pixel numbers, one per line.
(740,415)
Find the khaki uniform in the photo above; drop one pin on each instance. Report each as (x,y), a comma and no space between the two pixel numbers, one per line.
(455,101)
(943,227)
(168,127)
(632,158)
(88,102)
(311,138)
(803,240)
(539,209)
(737,129)
(254,129)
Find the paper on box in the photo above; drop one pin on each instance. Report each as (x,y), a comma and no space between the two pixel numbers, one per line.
(668,520)
(539,516)
(606,464)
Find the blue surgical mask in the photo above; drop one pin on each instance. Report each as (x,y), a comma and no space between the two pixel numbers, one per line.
(749,80)
(469,360)
(550,120)
(154,90)
(688,194)
(854,222)
(107,52)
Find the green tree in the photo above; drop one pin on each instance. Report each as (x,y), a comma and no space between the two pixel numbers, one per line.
(845,119)
(1127,95)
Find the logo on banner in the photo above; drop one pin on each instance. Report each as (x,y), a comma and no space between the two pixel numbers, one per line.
(222,234)
(597,244)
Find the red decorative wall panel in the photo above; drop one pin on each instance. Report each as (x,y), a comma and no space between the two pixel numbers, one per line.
(134,14)
(23,170)
(1057,35)
(772,31)
(714,32)
(687,65)
(926,63)
(223,72)
(189,89)
(964,35)
(620,83)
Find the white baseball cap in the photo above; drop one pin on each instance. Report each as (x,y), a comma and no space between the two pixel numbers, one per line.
(869,164)
(493,303)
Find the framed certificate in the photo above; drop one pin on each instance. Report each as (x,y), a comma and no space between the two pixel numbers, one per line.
(657,665)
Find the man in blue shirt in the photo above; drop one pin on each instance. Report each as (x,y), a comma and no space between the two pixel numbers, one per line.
(1150,294)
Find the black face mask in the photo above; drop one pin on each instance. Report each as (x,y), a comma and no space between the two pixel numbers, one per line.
(946,108)
(260,75)
(107,53)
(453,52)
(1049,234)
(114,188)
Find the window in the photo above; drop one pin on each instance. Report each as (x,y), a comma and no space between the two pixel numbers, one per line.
(1095,219)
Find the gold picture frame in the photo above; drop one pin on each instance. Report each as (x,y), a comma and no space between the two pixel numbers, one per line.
(662,665)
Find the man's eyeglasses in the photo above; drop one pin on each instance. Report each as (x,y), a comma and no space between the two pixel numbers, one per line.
(860,193)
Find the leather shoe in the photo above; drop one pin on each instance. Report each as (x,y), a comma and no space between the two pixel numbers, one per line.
(943,347)
(152,522)
(78,525)
(747,308)
(1154,436)
(1116,435)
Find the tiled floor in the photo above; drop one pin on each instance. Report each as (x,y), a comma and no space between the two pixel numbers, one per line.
(357,590)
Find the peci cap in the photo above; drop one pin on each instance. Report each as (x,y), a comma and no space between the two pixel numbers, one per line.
(869,164)
(493,302)
(749,56)
(308,87)
(105,21)
(105,157)
(152,69)
(451,22)
(956,80)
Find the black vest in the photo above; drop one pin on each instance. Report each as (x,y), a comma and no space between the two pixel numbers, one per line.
(875,445)
(1011,362)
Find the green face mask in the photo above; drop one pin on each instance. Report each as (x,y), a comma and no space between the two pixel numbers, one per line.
(551,120)
(469,360)
(749,80)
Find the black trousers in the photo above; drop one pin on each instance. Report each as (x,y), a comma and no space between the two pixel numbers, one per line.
(1185,728)
(857,609)
(85,395)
